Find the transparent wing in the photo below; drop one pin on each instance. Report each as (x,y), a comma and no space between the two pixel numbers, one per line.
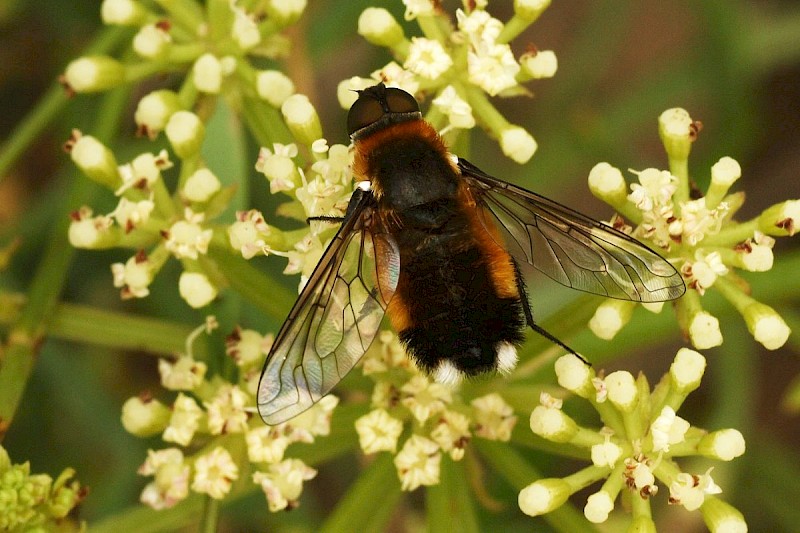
(334,319)
(573,249)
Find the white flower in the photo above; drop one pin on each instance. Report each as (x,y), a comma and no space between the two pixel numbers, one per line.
(606,454)
(184,374)
(458,111)
(493,417)
(184,422)
(668,428)
(278,167)
(282,483)
(418,463)
(171,478)
(493,68)
(214,473)
(266,444)
(427,58)
(143,171)
(393,75)
(424,398)
(452,434)
(226,412)
(247,234)
(187,238)
(134,277)
(129,215)
(479,26)
(690,490)
(378,431)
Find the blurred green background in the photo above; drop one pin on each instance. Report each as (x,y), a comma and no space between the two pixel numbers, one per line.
(734,65)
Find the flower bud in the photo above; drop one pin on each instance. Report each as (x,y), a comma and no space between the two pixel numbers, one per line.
(766,326)
(517,144)
(144,417)
(622,390)
(607,184)
(154,110)
(151,41)
(529,10)
(721,517)
(538,65)
(543,496)
(575,375)
(201,185)
(284,12)
(346,91)
(95,160)
(274,87)
(724,444)
(122,12)
(552,424)
(185,132)
(704,330)
(93,74)
(301,118)
(675,130)
(780,219)
(379,27)
(687,370)
(245,29)
(196,289)
(598,506)
(610,317)
(207,74)
(606,454)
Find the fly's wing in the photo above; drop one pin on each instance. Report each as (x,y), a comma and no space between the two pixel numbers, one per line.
(573,249)
(335,318)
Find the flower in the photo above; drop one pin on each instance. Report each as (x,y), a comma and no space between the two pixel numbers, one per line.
(639,447)
(226,412)
(418,463)
(214,473)
(697,235)
(183,374)
(35,502)
(378,431)
(282,483)
(171,478)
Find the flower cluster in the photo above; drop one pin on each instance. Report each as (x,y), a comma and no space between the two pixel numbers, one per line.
(637,447)
(698,235)
(34,502)
(216,47)
(460,64)
(217,418)
(431,417)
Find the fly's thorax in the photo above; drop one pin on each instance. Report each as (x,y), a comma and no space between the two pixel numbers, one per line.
(407,164)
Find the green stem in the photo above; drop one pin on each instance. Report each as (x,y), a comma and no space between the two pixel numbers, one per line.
(26,335)
(519,473)
(51,104)
(210,518)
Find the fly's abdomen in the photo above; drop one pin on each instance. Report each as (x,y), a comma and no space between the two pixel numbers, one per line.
(457,306)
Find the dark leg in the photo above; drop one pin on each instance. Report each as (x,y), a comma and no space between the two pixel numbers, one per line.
(526,308)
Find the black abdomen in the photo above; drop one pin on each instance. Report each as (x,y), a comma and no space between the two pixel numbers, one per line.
(448,306)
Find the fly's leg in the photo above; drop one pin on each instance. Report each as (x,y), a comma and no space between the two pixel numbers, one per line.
(526,308)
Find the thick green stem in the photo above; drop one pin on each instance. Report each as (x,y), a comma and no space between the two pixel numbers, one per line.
(25,337)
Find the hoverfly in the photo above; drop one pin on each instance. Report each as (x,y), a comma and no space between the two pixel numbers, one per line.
(443,249)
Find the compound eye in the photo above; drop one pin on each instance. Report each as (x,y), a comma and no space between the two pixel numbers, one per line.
(400,101)
(363,112)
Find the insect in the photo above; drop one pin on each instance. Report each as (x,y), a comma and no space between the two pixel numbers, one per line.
(443,249)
